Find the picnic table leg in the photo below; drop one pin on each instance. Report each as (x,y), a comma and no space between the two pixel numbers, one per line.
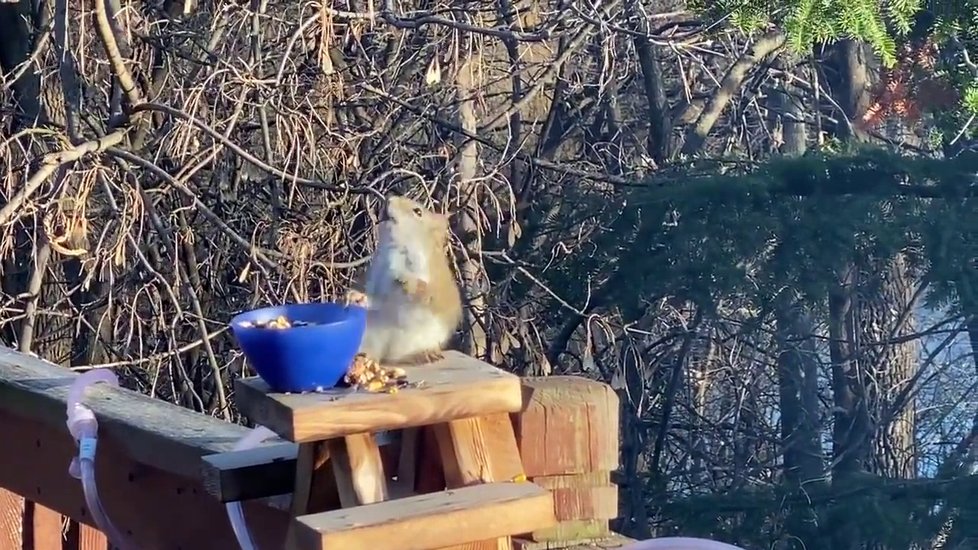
(480,450)
(358,469)
(315,485)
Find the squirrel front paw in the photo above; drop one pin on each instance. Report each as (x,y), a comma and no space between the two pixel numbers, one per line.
(414,287)
(355,298)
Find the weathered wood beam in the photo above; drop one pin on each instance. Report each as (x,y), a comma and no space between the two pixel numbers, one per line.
(255,473)
(150,431)
(159,510)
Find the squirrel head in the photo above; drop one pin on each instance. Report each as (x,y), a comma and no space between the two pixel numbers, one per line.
(405,217)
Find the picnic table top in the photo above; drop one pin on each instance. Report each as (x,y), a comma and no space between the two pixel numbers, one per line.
(458,386)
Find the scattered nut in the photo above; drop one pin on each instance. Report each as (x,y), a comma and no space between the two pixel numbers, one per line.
(369,375)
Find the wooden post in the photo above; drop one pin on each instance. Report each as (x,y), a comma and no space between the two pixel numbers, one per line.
(568,438)
(46,530)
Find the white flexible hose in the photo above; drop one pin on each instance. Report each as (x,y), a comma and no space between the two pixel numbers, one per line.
(235,513)
(84,429)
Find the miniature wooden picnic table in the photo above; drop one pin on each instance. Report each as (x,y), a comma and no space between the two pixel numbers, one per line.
(458,481)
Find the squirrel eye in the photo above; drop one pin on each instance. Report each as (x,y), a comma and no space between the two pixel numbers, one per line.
(417,211)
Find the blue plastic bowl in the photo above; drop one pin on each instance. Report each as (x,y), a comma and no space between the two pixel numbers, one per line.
(301,358)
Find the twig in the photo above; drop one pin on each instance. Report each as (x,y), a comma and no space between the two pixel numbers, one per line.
(107,36)
(41,258)
(535,161)
(207,212)
(155,358)
(66,69)
(388,16)
(189,269)
(245,154)
(731,83)
(51,162)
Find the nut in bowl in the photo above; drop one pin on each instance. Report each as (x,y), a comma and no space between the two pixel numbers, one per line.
(278,322)
(301,347)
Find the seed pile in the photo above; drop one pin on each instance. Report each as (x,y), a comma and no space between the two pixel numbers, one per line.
(279,322)
(369,375)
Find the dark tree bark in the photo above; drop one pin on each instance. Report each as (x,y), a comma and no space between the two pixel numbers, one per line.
(660,142)
(800,413)
(797,361)
(867,310)
(885,316)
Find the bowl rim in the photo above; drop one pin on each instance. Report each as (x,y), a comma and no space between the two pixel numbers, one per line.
(235,321)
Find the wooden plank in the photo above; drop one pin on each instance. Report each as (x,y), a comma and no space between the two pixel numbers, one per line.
(588,479)
(431,521)
(608,543)
(459,386)
(315,483)
(358,469)
(255,473)
(47,528)
(407,463)
(572,503)
(582,496)
(568,425)
(151,431)
(161,510)
(90,538)
(573,530)
(11,519)
(501,543)
(430,476)
(479,450)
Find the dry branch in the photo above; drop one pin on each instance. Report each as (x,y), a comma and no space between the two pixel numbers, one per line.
(51,162)
(729,86)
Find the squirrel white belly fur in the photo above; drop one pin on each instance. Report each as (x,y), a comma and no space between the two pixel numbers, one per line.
(412,299)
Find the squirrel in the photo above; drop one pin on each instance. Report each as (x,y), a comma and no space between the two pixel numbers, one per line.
(412,299)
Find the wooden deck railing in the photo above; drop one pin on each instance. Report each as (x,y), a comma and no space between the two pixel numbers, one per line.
(149,469)
(165,472)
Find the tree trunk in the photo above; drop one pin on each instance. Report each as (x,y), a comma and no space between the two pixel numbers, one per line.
(798,389)
(476,342)
(797,361)
(884,316)
(870,307)
(851,428)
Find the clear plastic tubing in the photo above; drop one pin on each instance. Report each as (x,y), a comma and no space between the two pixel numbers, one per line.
(235,513)
(84,429)
(679,543)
